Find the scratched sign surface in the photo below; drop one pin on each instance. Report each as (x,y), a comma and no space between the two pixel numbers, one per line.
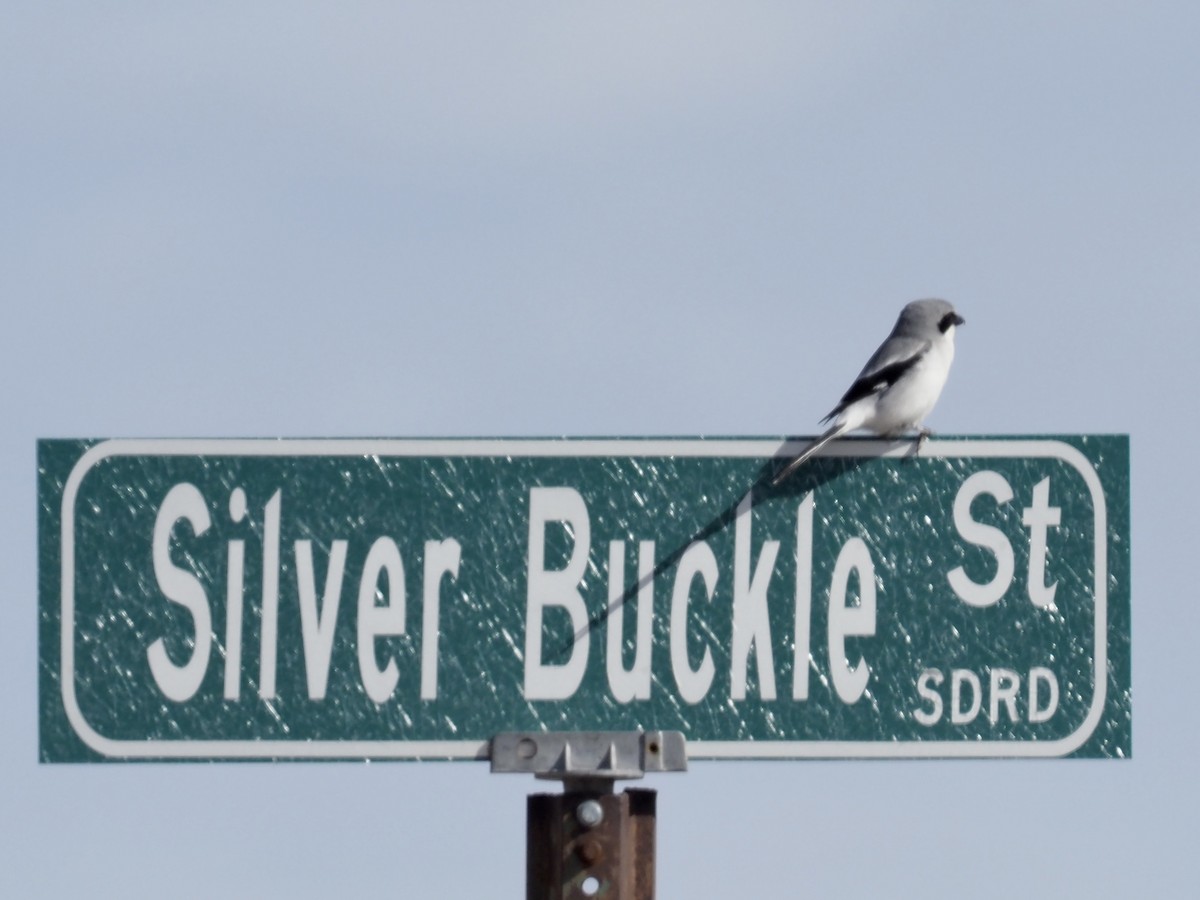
(350,599)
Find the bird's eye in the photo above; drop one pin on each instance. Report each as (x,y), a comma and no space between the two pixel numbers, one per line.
(947,320)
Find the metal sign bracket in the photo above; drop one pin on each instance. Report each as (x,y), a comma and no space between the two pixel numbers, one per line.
(588,840)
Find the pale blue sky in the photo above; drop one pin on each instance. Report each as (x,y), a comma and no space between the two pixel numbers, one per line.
(403,220)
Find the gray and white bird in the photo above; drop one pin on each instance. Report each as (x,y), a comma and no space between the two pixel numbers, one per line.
(900,383)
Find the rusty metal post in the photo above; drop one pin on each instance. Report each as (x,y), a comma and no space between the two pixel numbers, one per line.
(586,842)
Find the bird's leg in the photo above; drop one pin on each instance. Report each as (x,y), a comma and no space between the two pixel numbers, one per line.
(918,441)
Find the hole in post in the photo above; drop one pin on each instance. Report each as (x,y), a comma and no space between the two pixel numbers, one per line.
(526,748)
(590,886)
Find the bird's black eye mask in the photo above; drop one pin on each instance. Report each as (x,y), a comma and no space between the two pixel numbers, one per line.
(950,318)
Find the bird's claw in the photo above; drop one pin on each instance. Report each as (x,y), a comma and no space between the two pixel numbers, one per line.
(922,436)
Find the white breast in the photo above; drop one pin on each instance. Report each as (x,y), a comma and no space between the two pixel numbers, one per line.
(904,406)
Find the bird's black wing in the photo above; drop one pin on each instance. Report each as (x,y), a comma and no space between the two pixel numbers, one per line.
(883,370)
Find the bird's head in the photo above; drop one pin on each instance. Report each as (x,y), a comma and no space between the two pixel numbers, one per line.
(924,318)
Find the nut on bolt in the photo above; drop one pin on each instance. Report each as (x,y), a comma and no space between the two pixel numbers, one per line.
(589,813)
(590,852)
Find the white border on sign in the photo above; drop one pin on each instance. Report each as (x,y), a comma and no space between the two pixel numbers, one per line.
(630,447)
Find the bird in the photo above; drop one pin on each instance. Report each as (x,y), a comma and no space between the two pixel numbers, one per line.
(900,383)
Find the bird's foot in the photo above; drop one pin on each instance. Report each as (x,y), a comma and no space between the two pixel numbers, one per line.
(918,442)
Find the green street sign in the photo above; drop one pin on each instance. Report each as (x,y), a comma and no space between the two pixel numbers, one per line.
(376,599)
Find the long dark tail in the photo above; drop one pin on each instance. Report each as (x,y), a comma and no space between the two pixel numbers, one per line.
(807,452)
